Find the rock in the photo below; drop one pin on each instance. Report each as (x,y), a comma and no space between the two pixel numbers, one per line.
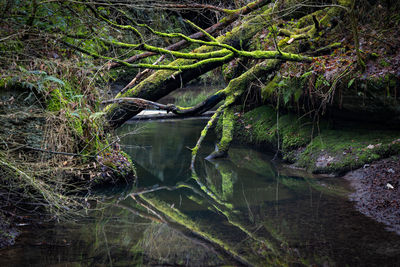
(389,186)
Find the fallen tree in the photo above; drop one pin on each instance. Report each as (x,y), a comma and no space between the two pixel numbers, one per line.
(183,70)
(264,39)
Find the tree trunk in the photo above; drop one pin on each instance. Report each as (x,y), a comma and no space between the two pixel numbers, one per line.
(163,82)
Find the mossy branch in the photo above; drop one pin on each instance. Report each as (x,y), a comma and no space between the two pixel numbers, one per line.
(201,30)
(177,54)
(209,57)
(203,134)
(226,21)
(202,107)
(151,66)
(119,26)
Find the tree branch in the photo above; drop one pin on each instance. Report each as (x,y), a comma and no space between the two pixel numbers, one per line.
(214,28)
(198,109)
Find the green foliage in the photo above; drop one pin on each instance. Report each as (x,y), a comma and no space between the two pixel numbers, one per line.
(321,82)
(270,88)
(289,90)
(384,63)
(350,83)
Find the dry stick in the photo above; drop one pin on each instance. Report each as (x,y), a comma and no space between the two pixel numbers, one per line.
(140,102)
(140,213)
(169,188)
(216,27)
(140,75)
(146,206)
(196,6)
(52,198)
(52,152)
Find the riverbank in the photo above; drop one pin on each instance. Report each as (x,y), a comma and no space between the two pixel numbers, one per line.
(365,154)
(377,191)
(45,170)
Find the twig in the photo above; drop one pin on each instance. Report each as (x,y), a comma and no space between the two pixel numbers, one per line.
(140,75)
(169,188)
(52,152)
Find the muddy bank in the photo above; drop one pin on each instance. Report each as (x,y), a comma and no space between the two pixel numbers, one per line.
(377,191)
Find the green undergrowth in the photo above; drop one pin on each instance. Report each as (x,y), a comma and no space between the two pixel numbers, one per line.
(53,143)
(315,147)
(85,121)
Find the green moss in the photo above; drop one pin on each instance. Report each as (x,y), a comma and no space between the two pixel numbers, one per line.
(257,124)
(127,157)
(384,63)
(227,176)
(294,133)
(308,19)
(260,126)
(56,101)
(229,70)
(283,42)
(4,82)
(119,163)
(75,124)
(269,88)
(325,151)
(227,130)
(152,87)
(338,151)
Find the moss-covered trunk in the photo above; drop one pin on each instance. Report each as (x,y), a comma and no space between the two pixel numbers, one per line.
(163,82)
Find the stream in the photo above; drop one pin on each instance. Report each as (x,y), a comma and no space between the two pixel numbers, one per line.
(244,210)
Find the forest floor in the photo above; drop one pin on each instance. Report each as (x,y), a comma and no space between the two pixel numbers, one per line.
(377,191)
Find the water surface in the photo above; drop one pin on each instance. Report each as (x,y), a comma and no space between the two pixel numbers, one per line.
(237,211)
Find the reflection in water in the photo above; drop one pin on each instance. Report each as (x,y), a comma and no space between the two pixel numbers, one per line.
(236,211)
